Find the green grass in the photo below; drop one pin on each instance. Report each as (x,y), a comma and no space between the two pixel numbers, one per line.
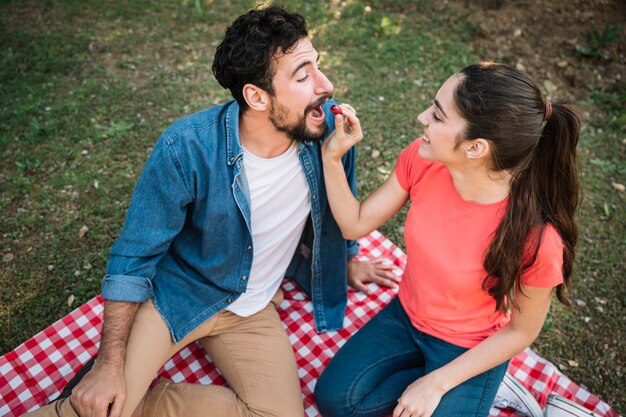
(77,125)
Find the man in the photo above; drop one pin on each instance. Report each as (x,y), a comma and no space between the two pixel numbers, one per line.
(230,201)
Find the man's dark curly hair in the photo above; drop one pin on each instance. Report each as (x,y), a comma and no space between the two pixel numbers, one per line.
(249,46)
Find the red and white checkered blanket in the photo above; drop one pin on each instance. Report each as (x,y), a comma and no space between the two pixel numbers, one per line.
(38,369)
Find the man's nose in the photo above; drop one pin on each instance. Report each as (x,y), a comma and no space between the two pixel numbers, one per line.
(323,86)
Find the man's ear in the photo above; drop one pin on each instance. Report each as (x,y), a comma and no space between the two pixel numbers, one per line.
(257,98)
(477,148)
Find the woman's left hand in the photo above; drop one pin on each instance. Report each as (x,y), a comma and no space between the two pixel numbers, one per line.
(420,399)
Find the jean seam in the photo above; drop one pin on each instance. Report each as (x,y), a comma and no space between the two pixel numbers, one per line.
(488,383)
(358,377)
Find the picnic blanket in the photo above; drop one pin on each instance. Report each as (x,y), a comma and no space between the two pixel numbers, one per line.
(37,370)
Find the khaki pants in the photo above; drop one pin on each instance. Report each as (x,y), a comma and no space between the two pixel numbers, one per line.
(252,353)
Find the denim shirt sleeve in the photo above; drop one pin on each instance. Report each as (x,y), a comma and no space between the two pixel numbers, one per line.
(156,214)
(349,165)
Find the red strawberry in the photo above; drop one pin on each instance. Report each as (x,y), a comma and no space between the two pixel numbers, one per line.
(335,109)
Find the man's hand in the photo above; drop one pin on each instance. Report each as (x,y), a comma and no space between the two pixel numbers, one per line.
(377,270)
(102,392)
(102,389)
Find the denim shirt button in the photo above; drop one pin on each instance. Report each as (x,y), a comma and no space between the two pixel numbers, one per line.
(249,248)
(229,300)
(244,277)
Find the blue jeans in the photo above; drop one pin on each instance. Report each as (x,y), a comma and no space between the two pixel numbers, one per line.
(372,370)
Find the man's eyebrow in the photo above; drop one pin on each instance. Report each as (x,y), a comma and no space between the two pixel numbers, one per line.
(304,64)
(440,108)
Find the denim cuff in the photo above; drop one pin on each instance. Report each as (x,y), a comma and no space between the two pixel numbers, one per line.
(353,249)
(127,288)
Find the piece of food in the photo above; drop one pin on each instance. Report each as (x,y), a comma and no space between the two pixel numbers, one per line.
(335,109)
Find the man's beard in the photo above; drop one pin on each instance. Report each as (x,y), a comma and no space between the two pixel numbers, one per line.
(298,132)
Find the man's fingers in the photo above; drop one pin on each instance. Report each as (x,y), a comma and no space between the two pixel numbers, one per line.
(388,275)
(386,282)
(361,287)
(117,407)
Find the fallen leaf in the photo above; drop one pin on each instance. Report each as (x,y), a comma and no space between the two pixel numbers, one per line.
(82,231)
(375,153)
(70,300)
(572,363)
(618,186)
(549,86)
(94,48)
(8,258)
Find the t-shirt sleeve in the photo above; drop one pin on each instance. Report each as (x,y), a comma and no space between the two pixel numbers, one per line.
(547,271)
(410,166)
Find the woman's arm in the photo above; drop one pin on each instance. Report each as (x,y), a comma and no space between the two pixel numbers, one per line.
(355,219)
(422,397)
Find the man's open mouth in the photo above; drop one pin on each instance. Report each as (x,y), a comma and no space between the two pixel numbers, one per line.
(317,113)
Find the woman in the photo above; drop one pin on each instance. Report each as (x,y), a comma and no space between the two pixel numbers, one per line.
(490,233)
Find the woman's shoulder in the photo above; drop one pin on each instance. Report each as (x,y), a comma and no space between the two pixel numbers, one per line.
(547,267)
(411,168)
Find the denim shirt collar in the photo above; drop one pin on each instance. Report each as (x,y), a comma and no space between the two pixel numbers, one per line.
(233,143)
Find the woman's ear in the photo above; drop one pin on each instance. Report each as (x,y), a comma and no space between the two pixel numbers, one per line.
(256,97)
(477,148)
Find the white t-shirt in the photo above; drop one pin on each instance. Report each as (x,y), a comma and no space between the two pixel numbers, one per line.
(280,205)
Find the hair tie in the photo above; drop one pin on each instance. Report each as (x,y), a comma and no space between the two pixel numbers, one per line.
(548,111)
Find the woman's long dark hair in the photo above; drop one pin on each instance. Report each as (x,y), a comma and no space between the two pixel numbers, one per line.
(505,107)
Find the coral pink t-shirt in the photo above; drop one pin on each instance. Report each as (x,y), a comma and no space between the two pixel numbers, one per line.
(446,239)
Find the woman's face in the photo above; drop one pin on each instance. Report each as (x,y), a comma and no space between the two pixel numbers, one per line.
(442,126)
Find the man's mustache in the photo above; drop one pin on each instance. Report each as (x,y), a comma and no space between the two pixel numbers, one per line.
(318,103)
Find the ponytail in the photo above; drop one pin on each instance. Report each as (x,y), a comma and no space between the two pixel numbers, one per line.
(504,105)
(554,169)
(545,191)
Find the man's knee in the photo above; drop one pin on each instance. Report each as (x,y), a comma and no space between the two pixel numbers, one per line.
(59,408)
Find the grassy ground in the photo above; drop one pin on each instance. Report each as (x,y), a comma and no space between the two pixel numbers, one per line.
(87,86)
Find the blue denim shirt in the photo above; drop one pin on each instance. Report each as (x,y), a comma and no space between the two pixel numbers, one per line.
(187,241)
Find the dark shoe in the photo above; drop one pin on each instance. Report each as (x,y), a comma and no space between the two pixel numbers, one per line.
(67,391)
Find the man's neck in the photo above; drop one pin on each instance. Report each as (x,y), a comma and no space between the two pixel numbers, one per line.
(259,136)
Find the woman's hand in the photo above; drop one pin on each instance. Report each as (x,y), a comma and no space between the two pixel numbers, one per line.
(420,399)
(347,133)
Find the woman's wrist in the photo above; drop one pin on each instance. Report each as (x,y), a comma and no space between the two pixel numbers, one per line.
(439,381)
(329,159)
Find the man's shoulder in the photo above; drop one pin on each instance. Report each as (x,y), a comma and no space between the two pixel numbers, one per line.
(200,125)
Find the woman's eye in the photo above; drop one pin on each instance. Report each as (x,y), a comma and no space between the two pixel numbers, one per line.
(435,117)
